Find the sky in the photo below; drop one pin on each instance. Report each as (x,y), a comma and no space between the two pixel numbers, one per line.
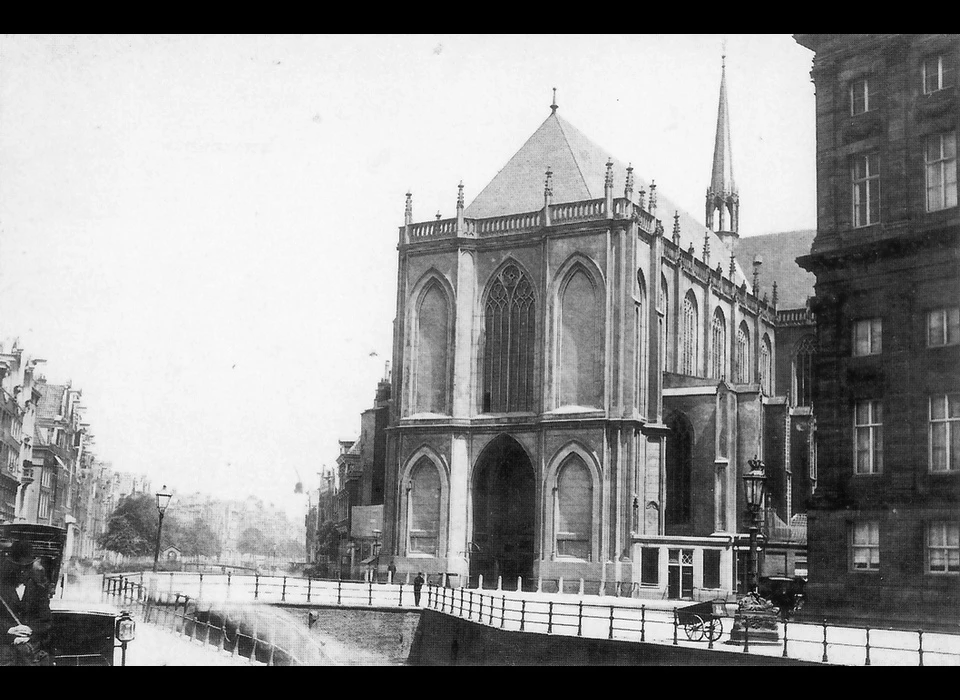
(200,231)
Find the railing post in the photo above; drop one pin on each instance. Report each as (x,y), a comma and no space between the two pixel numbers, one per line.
(611,622)
(223,634)
(920,647)
(675,627)
(228,584)
(338,591)
(824,659)
(256,637)
(785,640)
(470,606)
(523,613)
(370,593)
(491,609)
(461,602)
(283,592)
(480,609)
(206,638)
(273,648)
(176,604)
(503,610)
(866,659)
(580,618)
(309,584)
(643,623)
(256,586)
(400,602)
(746,636)
(550,617)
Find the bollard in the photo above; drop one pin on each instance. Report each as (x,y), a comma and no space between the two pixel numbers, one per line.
(580,618)
(499,583)
(920,647)
(309,582)
(784,655)
(581,585)
(824,659)
(283,592)
(616,592)
(675,624)
(338,591)
(523,612)
(479,582)
(539,584)
(611,622)
(503,610)
(550,617)
(560,585)
(400,602)
(256,586)
(519,583)
(746,637)
(643,623)
(866,660)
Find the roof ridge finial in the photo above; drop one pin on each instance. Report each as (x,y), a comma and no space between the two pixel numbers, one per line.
(733,266)
(706,246)
(548,183)
(676,226)
(553,107)
(775,293)
(628,187)
(608,179)
(653,197)
(723,55)
(408,209)
(460,195)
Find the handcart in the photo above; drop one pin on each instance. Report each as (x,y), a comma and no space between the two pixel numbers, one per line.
(702,620)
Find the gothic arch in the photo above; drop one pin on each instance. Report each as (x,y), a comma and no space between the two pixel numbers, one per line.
(679,470)
(688,351)
(423,457)
(744,366)
(765,364)
(578,313)
(508,346)
(428,366)
(576,450)
(802,371)
(718,345)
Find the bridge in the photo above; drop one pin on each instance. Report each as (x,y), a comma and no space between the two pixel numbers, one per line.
(202,605)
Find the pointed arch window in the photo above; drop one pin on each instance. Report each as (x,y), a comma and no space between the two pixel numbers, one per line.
(718,340)
(679,467)
(432,345)
(509,325)
(574,509)
(743,355)
(688,335)
(579,342)
(803,371)
(766,365)
(423,501)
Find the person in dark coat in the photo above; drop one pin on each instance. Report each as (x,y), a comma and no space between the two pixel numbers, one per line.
(392,571)
(417,585)
(25,617)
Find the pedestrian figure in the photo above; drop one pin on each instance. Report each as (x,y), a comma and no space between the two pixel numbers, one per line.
(25,617)
(417,585)
(392,571)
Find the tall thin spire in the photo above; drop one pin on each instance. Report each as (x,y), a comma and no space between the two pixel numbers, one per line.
(553,107)
(722,196)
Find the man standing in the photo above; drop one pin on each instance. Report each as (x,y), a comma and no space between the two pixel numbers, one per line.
(25,617)
(392,571)
(417,585)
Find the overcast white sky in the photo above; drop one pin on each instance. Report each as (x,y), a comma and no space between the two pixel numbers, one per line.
(200,231)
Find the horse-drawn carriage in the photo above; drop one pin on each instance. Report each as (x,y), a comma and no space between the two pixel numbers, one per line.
(702,620)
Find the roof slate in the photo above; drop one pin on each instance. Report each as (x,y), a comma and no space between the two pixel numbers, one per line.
(780,252)
(579,169)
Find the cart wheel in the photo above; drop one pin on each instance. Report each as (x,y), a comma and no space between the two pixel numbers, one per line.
(694,628)
(714,629)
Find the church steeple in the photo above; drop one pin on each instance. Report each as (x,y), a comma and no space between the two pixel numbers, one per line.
(722,194)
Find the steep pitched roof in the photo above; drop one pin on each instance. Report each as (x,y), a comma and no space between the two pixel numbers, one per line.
(780,252)
(579,168)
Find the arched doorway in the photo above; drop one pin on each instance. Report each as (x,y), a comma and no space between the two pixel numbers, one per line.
(504,504)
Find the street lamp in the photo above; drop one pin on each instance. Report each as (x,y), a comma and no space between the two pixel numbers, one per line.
(753,483)
(163,500)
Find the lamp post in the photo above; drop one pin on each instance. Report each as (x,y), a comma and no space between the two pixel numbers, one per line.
(755,621)
(754,482)
(163,500)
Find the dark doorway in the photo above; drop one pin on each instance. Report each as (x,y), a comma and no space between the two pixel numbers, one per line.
(680,573)
(504,503)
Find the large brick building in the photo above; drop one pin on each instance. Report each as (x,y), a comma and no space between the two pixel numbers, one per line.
(576,390)
(884,525)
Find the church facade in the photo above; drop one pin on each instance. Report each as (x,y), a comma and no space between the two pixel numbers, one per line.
(577,390)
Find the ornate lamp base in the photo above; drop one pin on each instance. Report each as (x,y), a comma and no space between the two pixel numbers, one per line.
(756,622)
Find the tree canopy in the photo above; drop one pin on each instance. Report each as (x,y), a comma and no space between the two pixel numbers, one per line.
(132,528)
